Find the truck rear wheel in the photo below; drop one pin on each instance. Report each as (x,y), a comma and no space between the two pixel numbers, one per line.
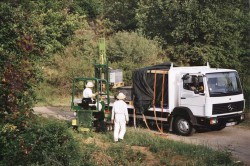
(182,126)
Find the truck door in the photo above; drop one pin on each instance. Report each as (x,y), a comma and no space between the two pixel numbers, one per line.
(192,93)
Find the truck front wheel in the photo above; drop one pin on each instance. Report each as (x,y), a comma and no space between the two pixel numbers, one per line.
(182,126)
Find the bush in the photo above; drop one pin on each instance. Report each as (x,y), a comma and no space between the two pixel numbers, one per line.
(26,40)
(128,51)
(46,142)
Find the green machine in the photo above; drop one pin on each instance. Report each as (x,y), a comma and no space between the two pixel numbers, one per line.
(95,114)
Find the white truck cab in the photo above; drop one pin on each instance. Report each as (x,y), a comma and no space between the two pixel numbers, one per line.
(212,97)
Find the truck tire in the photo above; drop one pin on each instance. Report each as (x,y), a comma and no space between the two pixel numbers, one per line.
(182,126)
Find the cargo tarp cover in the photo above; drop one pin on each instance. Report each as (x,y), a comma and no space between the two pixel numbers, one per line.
(143,87)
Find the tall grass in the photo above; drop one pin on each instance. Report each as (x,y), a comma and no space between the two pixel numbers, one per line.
(168,149)
(164,151)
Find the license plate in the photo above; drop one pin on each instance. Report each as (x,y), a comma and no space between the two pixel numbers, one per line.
(231,124)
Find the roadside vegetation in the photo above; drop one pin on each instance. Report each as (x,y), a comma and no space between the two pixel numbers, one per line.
(246,122)
(53,142)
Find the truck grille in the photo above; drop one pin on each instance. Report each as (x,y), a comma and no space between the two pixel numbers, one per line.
(228,107)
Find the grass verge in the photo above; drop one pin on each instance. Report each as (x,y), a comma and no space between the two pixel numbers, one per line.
(53,142)
(144,148)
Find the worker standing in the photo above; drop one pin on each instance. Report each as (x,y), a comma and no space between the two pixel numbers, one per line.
(119,117)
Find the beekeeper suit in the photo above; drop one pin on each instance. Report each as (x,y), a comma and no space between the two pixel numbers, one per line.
(88,97)
(119,117)
(87,92)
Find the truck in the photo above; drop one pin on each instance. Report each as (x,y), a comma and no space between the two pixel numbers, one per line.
(183,98)
(188,98)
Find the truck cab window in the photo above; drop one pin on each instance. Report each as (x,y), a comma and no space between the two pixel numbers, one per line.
(194,83)
(223,84)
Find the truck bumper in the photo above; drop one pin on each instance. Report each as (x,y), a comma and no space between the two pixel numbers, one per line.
(225,120)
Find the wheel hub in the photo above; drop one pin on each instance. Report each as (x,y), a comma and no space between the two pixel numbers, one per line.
(183,125)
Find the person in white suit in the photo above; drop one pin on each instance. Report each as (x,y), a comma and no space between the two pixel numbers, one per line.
(88,96)
(119,117)
(87,92)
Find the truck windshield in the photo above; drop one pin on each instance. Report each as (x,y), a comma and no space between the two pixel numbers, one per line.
(223,84)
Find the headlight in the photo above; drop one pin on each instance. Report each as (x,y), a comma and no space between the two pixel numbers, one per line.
(213,121)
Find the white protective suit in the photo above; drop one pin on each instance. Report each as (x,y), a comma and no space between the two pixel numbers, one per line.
(120,117)
(87,93)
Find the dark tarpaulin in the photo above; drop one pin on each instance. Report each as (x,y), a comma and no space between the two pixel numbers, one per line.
(143,87)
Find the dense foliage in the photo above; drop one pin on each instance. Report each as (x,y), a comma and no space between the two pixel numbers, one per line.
(128,51)
(45,142)
(30,33)
(121,15)
(197,31)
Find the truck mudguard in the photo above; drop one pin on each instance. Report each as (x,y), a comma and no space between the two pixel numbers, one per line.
(186,112)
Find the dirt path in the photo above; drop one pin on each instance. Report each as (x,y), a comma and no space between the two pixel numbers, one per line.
(231,139)
(63,113)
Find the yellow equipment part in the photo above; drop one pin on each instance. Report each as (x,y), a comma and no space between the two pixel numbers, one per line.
(82,129)
(74,122)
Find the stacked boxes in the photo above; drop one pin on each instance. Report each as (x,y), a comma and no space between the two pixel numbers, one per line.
(115,76)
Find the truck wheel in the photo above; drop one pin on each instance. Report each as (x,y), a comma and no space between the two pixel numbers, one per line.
(182,126)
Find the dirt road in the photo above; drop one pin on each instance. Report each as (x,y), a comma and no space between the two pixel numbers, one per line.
(233,139)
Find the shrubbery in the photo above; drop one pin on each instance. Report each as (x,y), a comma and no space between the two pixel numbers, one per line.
(44,142)
(30,33)
(129,51)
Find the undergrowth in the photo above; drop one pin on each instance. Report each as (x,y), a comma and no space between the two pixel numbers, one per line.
(53,142)
(246,122)
(164,151)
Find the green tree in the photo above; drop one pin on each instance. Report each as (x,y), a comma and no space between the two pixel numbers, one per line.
(197,31)
(128,51)
(30,32)
(28,36)
(91,8)
(121,14)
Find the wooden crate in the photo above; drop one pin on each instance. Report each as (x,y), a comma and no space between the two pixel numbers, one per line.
(118,84)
